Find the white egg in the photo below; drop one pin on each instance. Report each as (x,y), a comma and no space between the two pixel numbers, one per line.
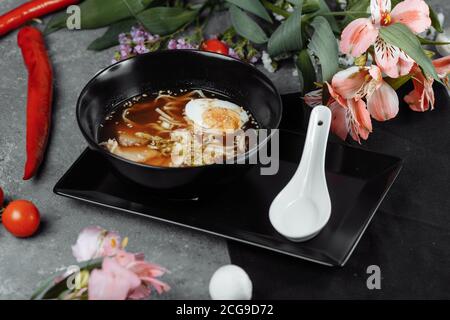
(216,114)
(230,282)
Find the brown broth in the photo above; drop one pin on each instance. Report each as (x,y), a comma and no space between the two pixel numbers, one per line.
(129,137)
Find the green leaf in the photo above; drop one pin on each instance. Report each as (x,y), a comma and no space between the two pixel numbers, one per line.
(95,14)
(51,289)
(110,37)
(323,9)
(288,36)
(401,36)
(306,71)
(166,20)
(146,3)
(435,21)
(55,23)
(324,45)
(253,6)
(356,6)
(246,26)
(431,42)
(309,6)
(396,83)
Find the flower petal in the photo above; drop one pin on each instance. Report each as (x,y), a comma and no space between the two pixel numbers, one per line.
(413,13)
(386,57)
(313,98)
(336,96)
(375,73)
(378,8)
(159,286)
(103,286)
(442,66)
(348,82)
(414,100)
(88,244)
(419,99)
(357,37)
(112,282)
(361,114)
(422,97)
(405,63)
(141,292)
(383,103)
(339,123)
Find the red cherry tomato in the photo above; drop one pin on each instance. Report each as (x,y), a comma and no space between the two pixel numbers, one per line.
(2,198)
(21,218)
(215,45)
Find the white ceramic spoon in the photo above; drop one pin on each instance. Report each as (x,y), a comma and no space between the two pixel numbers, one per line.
(303,207)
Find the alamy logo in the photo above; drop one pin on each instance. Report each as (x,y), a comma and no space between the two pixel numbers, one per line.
(374,280)
(73,21)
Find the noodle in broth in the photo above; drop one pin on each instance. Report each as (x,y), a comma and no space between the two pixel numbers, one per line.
(155,130)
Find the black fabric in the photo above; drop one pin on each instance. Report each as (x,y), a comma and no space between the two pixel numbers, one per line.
(409,237)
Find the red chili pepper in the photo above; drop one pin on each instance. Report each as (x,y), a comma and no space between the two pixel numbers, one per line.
(30,10)
(40,93)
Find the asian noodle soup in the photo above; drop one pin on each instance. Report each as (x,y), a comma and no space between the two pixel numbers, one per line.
(188,128)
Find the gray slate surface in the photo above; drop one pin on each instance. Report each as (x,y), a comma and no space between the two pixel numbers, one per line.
(191,256)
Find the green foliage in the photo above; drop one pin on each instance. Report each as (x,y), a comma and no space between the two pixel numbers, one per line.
(306,72)
(254,7)
(166,20)
(246,26)
(95,14)
(288,36)
(110,37)
(324,45)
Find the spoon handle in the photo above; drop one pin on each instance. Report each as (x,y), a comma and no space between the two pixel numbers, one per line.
(312,166)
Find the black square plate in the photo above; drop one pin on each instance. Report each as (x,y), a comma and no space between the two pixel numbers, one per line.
(357,179)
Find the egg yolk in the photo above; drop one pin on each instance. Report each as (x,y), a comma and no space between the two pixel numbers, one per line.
(221,118)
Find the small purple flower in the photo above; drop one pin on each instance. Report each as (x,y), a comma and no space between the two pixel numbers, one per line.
(124,39)
(141,49)
(233,54)
(137,41)
(180,43)
(254,59)
(138,35)
(134,31)
(172,44)
(125,50)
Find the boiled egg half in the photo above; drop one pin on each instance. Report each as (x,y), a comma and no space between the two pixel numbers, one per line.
(215,114)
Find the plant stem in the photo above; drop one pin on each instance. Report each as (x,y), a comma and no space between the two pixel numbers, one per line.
(275,9)
(342,13)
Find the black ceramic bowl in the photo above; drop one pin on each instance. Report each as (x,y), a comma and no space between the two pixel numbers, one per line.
(176,69)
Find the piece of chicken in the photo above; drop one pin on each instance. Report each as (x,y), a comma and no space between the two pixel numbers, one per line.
(136,154)
(128,139)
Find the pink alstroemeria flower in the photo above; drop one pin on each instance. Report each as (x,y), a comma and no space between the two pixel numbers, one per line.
(361,33)
(348,116)
(95,242)
(356,83)
(422,97)
(147,273)
(350,112)
(125,276)
(112,282)
(350,86)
